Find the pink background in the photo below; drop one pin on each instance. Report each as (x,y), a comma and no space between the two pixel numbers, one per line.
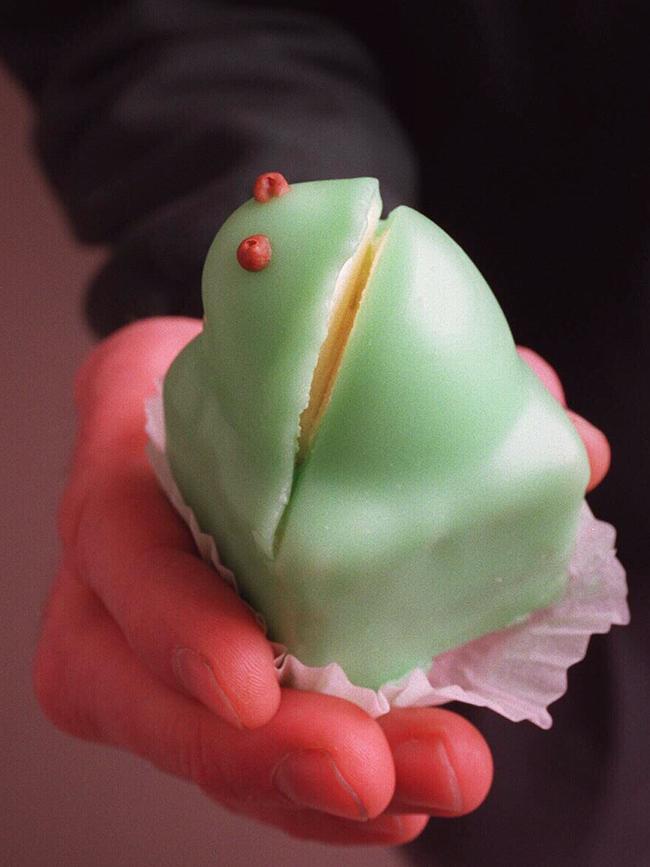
(64,802)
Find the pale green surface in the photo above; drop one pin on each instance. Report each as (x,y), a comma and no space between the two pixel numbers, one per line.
(234,397)
(441,496)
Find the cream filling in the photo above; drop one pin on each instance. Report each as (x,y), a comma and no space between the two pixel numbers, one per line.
(350,285)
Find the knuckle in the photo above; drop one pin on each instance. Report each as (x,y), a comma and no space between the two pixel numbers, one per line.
(53,675)
(48,676)
(69,515)
(96,358)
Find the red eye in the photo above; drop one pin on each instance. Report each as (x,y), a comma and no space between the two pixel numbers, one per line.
(254,252)
(269,186)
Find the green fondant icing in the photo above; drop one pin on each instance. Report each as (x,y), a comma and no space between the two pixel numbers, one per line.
(440,498)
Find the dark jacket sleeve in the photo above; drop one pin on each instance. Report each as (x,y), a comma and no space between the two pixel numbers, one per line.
(154,118)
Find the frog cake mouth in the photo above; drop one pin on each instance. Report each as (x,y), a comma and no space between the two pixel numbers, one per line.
(351,285)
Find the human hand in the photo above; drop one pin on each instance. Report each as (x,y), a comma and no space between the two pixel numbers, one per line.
(145,648)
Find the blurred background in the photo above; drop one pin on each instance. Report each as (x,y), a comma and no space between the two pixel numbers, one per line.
(64,802)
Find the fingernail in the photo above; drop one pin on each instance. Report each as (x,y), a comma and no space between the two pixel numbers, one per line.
(426,778)
(196,676)
(310,778)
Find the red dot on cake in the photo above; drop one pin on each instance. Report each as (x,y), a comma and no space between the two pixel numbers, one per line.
(254,252)
(270,185)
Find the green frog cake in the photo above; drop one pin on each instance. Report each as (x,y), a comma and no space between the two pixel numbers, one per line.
(382,473)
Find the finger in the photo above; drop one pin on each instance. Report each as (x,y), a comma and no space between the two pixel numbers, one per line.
(110,391)
(321,753)
(443,766)
(317,754)
(129,362)
(544,371)
(597,446)
(176,613)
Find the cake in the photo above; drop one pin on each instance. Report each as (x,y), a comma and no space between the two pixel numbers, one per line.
(380,470)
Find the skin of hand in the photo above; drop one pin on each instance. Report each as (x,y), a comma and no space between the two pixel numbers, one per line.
(144,647)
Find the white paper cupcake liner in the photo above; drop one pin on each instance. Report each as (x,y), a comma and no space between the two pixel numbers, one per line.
(517,672)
